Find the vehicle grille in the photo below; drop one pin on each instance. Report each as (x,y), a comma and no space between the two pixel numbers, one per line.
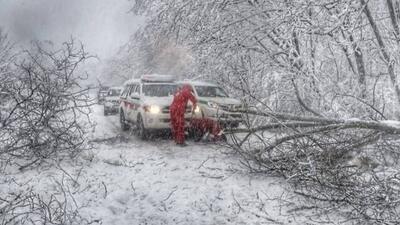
(165,109)
(230,107)
(169,120)
(235,116)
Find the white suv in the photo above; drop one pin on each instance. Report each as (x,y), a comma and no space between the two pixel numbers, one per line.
(214,103)
(145,102)
(111,100)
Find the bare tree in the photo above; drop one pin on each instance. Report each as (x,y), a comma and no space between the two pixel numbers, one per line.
(45,111)
(26,206)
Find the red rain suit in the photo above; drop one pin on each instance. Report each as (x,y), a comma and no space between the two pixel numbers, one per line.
(177,112)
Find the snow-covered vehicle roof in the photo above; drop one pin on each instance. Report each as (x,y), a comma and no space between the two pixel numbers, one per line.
(152,78)
(198,83)
(131,81)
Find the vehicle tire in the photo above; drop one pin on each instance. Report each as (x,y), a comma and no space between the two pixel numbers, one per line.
(141,130)
(123,122)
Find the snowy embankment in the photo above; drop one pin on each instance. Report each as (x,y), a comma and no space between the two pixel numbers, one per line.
(127,181)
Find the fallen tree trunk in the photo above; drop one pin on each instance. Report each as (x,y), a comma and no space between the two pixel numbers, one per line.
(386,126)
(349,163)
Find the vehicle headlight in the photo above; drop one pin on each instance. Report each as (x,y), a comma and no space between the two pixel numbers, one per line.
(197,109)
(212,104)
(153,109)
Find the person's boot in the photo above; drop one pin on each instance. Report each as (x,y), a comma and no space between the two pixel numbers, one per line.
(206,137)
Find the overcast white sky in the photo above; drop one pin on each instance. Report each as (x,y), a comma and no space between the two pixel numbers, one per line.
(102,25)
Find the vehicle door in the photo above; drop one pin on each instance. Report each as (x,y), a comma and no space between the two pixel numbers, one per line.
(124,103)
(134,100)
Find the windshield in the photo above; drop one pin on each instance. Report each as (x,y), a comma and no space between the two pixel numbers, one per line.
(159,90)
(114,92)
(210,91)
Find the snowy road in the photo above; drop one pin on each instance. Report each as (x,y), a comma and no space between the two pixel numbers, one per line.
(155,182)
(127,181)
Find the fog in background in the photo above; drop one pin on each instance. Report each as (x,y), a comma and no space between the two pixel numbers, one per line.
(101,25)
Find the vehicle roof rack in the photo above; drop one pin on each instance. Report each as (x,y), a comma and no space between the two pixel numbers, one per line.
(154,78)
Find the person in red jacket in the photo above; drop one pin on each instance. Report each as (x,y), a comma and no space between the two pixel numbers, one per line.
(177,112)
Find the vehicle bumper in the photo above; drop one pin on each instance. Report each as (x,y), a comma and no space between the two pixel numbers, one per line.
(161,121)
(225,118)
(111,108)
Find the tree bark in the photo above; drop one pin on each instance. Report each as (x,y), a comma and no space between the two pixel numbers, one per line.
(311,121)
(360,66)
(389,62)
(393,19)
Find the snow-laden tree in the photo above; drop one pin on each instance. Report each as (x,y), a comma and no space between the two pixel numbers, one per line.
(6,59)
(144,55)
(324,72)
(43,119)
(323,51)
(44,110)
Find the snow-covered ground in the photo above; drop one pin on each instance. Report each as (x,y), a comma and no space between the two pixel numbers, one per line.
(124,180)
